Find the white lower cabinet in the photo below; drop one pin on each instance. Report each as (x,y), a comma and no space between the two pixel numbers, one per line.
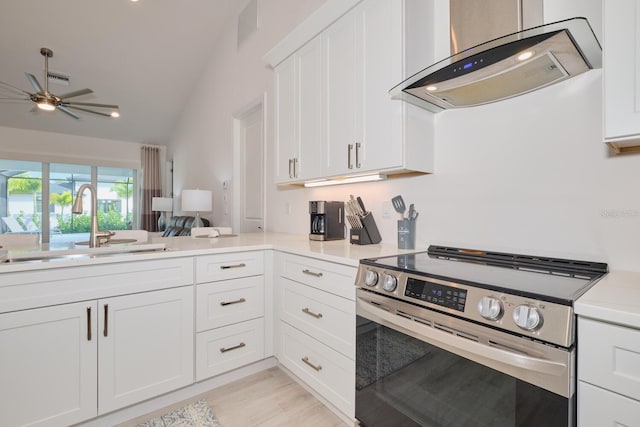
(229,312)
(48,370)
(223,349)
(145,346)
(608,374)
(57,362)
(316,327)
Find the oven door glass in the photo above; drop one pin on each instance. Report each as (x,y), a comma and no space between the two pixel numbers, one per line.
(402,381)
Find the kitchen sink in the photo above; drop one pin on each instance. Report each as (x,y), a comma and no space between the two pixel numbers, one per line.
(82,253)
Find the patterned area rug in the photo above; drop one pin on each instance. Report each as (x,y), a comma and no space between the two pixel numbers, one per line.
(198,414)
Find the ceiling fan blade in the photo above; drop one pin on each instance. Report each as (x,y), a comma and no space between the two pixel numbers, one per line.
(70,113)
(87,110)
(34,82)
(14,99)
(75,93)
(90,104)
(13,88)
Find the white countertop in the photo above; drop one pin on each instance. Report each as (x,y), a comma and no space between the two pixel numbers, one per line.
(339,251)
(615,299)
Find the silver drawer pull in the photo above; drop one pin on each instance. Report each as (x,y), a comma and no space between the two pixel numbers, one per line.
(238,301)
(225,267)
(318,368)
(312,273)
(311,313)
(235,347)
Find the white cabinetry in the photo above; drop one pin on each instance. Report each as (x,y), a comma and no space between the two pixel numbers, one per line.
(316,327)
(229,312)
(145,346)
(608,374)
(48,367)
(63,361)
(298,114)
(621,53)
(365,52)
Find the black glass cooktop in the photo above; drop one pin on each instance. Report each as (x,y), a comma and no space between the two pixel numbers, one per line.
(544,278)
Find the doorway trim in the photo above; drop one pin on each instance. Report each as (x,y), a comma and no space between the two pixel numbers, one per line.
(238,117)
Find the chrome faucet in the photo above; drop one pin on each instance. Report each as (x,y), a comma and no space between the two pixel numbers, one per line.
(96,236)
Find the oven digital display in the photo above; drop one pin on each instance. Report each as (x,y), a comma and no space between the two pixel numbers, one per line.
(445,296)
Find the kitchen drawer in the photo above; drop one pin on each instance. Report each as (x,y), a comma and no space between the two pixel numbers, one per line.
(327,276)
(210,268)
(609,356)
(329,373)
(230,347)
(230,301)
(328,318)
(598,408)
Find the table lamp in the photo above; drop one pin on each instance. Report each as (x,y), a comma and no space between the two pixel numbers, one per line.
(196,201)
(162,205)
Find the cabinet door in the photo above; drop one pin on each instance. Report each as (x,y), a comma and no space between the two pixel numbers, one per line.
(340,91)
(379,138)
(621,64)
(308,62)
(146,346)
(285,107)
(598,407)
(48,365)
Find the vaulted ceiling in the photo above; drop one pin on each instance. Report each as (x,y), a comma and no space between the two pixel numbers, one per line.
(144,56)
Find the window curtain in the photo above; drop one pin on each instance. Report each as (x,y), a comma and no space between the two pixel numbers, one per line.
(151,187)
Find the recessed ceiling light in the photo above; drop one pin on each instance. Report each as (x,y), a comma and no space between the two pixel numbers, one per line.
(115,114)
(431,88)
(525,55)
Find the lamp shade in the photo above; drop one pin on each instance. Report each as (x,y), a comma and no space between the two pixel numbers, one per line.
(196,201)
(162,204)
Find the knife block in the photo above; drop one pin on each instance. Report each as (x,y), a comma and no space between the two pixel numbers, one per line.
(368,234)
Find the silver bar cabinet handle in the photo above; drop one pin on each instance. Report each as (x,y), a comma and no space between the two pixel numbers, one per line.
(238,301)
(318,368)
(88,323)
(311,273)
(295,167)
(349,148)
(105,332)
(235,347)
(225,267)
(311,313)
(358,145)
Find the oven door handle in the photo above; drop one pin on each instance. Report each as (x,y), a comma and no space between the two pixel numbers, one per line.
(461,346)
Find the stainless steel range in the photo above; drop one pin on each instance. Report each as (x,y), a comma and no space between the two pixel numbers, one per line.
(459,337)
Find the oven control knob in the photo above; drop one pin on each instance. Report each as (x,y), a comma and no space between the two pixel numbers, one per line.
(390,283)
(527,317)
(490,308)
(370,278)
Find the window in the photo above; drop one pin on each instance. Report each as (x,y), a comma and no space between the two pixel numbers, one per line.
(22,196)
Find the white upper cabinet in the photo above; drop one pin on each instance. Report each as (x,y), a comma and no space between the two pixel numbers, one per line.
(621,73)
(298,110)
(366,48)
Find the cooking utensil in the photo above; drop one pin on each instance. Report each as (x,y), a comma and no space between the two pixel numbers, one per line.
(399,206)
(411,212)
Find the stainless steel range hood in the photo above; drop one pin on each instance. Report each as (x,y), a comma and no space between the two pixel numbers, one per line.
(504,67)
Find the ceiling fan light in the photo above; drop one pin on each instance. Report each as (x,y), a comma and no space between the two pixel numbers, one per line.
(115,114)
(46,105)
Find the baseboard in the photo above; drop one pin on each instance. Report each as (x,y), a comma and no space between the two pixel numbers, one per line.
(151,405)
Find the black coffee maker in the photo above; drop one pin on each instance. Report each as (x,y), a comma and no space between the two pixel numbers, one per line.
(327,220)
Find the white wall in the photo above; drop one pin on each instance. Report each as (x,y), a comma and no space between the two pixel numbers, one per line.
(528,175)
(202,146)
(22,144)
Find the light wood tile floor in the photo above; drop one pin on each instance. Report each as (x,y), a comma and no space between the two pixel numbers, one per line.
(267,399)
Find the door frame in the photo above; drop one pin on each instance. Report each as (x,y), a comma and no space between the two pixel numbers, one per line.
(238,117)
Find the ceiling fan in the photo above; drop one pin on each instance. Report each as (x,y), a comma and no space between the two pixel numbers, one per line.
(47,101)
